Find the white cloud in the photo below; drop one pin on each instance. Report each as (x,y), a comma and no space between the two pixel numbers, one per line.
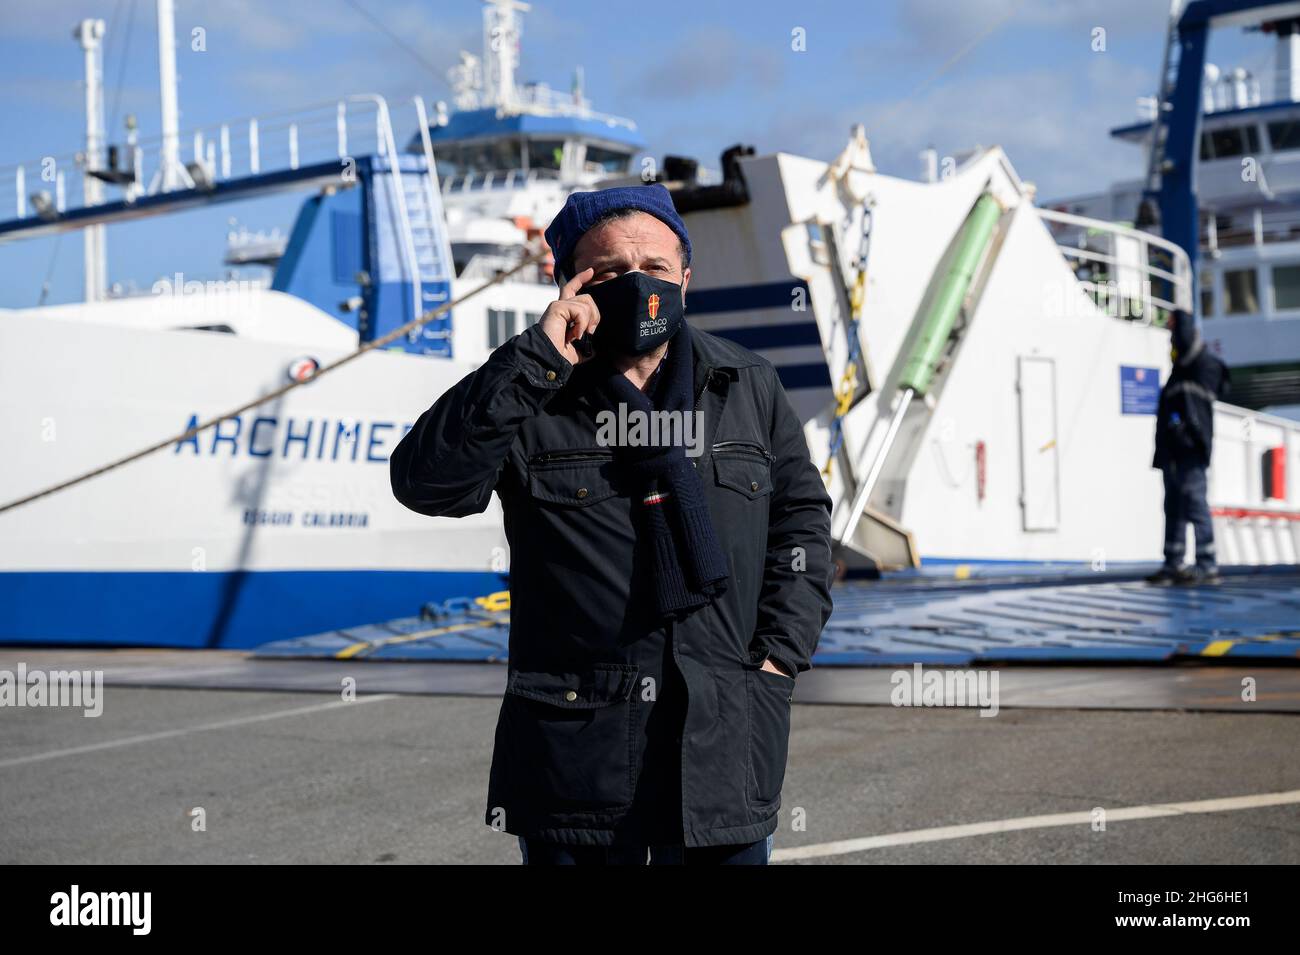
(944,25)
(707,61)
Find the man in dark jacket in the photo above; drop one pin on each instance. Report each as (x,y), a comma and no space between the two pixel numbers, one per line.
(665,589)
(1184,441)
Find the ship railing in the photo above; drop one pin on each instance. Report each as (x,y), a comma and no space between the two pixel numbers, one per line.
(1255,226)
(208,155)
(488,265)
(507,179)
(1127,273)
(1254,496)
(266,150)
(494,179)
(1256,533)
(1233,90)
(541,100)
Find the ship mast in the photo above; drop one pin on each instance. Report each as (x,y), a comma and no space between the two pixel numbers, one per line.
(501,30)
(171,171)
(90,34)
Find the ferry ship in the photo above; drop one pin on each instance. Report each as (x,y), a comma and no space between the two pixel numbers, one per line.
(965,385)
(1246,168)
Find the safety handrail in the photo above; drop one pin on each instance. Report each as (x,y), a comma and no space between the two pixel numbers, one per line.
(1096,244)
(387,147)
(251,145)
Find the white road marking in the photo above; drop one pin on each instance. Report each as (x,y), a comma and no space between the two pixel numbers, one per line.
(169,734)
(1154,811)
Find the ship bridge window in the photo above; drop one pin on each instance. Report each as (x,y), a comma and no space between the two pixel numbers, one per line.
(501,326)
(1284,135)
(1229,142)
(1286,287)
(1237,229)
(1240,292)
(545,153)
(494,155)
(608,160)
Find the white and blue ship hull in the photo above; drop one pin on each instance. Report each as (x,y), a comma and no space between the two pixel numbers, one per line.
(276,523)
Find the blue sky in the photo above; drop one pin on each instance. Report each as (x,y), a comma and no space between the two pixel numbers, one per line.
(697,77)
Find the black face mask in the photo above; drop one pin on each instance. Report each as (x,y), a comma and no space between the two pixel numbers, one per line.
(638,313)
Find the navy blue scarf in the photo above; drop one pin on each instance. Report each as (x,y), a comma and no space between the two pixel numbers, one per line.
(668,505)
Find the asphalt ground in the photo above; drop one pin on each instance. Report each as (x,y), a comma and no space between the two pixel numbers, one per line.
(301,776)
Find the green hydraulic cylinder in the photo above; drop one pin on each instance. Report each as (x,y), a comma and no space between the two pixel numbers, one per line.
(946,305)
(918,372)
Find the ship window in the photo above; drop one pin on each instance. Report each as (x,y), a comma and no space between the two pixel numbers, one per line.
(501,326)
(1286,286)
(1240,292)
(1234,230)
(204,328)
(1207,293)
(1284,134)
(1232,141)
(505,154)
(450,161)
(607,159)
(532,318)
(545,153)
(482,157)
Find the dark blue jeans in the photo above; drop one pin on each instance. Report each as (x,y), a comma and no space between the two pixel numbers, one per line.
(1185,492)
(536,852)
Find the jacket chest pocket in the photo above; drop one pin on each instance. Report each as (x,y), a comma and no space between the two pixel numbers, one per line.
(743,466)
(570,737)
(577,478)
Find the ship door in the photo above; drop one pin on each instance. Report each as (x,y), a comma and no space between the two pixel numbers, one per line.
(1039,456)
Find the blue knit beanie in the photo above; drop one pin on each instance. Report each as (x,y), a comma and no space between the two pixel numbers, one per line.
(582,210)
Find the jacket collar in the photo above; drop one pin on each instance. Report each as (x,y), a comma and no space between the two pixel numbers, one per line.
(713,358)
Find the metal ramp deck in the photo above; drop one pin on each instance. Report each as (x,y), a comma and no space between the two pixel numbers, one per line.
(1078,617)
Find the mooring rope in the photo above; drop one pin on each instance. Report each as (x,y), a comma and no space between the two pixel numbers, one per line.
(211,422)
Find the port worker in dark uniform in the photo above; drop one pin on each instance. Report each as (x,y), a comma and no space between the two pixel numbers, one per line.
(1184,441)
(665,594)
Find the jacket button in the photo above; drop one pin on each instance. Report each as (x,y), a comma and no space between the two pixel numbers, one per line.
(550,376)
(753,485)
(582,492)
(571,696)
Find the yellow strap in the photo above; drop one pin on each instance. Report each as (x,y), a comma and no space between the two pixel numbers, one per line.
(349,652)
(849,380)
(495,601)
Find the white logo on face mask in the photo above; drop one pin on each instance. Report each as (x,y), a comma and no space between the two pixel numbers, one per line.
(637,314)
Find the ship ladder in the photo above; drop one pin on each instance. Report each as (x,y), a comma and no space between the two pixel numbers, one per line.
(848,386)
